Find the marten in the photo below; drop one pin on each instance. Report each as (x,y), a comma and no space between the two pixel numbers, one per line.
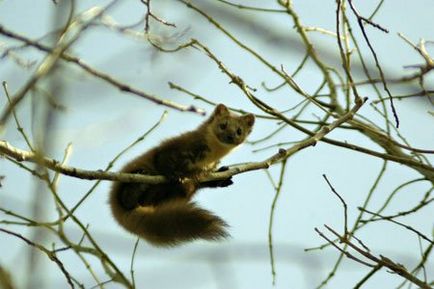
(164,214)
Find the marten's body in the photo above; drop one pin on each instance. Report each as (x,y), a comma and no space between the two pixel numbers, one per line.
(163,214)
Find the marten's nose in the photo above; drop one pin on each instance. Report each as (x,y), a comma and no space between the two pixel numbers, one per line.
(230,138)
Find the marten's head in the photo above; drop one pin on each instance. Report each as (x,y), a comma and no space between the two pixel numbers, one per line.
(230,128)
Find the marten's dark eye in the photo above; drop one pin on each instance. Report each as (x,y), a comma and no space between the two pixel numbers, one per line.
(239,131)
(223,125)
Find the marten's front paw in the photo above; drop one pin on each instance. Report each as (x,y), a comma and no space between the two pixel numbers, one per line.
(217,183)
(223,169)
(225,183)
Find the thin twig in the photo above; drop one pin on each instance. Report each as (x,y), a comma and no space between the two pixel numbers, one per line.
(423,236)
(136,244)
(343,204)
(360,20)
(278,190)
(51,255)
(104,76)
(383,261)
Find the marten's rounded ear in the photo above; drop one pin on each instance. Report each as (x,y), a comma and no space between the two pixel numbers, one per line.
(249,119)
(221,109)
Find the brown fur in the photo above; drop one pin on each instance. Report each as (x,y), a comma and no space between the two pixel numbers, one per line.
(163,214)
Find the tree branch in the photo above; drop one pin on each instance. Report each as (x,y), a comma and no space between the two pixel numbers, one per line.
(101,75)
(22,155)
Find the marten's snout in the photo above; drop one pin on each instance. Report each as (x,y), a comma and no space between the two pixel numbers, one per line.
(230,138)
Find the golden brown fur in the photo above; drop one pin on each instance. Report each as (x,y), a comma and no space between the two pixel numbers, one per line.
(163,214)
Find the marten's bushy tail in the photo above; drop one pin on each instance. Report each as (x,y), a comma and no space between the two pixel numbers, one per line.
(171,223)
